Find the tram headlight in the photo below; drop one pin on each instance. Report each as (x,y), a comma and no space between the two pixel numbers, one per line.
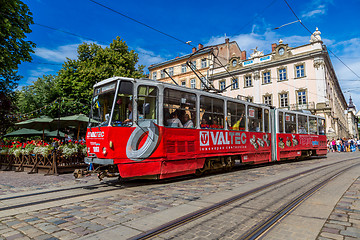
(111,144)
(104,150)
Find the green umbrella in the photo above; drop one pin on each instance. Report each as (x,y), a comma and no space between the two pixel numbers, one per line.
(24,132)
(54,134)
(78,120)
(40,123)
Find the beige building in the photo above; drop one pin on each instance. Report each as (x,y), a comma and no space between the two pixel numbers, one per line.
(295,78)
(203,61)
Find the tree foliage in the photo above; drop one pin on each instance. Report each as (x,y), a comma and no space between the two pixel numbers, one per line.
(15,19)
(74,82)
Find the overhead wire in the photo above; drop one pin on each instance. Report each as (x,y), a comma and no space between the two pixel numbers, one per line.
(302,24)
(137,21)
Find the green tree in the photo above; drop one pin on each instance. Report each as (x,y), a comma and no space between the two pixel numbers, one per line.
(15,19)
(94,64)
(74,82)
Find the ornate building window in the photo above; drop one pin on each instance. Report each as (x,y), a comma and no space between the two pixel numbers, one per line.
(266,77)
(235,83)
(222,85)
(247,81)
(193,83)
(154,76)
(301,97)
(299,71)
(193,64)
(202,86)
(171,71)
(183,68)
(203,63)
(284,99)
(267,99)
(162,74)
(282,74)
(183,83)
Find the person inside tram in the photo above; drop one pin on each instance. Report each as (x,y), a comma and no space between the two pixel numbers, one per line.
(174,121)
(215,124)
(237,124)
(204,123)
(188,122)
(128,120)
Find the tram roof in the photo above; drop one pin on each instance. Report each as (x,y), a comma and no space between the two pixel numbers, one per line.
(154,82)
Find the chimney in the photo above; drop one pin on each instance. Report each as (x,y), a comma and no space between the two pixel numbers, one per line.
(243,55)
(227,40)
(194,49)
(200,46)
(273,46)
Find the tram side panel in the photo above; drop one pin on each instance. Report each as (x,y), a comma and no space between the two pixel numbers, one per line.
(290,146)
(200,144)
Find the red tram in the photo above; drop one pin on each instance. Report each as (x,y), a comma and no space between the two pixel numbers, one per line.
(146,128)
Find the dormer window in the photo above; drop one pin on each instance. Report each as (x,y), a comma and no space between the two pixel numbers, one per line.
(234,63)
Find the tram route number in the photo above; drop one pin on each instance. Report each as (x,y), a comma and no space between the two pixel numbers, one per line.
(96,149)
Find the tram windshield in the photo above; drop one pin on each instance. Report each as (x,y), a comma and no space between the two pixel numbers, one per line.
(102,104)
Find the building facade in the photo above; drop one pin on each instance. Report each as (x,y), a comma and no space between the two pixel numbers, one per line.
(294,78)
(202,61)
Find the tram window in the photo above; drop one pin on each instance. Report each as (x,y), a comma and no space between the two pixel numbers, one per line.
(122,115)
(102,104)
(236,116)
(302,124)
(211,113)
(321,126)
(255,119)
(181,104)
(281,122)
(290,123)
(266,120)
(146,103)
(313,125)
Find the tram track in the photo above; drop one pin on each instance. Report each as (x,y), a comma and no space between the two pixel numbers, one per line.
(51,196)
(264,226)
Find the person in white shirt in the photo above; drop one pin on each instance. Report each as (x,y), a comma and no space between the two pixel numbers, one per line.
(174,121)
(188,122)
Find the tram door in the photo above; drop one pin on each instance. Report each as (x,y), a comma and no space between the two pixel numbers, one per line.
(274,116)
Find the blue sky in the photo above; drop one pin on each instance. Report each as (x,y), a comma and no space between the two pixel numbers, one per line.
(250,23)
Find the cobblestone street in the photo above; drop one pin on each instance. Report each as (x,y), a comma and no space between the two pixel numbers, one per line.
(102,212)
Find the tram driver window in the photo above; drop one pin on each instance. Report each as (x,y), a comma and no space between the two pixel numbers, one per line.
(123,112)
(255,119)
(179,109)
(290,123)
(321,126)
(146,103)
(236,116)
(302,124)
(313,125)
(211,113)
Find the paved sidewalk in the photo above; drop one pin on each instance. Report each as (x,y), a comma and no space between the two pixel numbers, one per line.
(344,221)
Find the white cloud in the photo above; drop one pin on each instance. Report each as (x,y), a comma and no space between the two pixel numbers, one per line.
(147,57)
(58,54)
(317,7)
(263,41)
